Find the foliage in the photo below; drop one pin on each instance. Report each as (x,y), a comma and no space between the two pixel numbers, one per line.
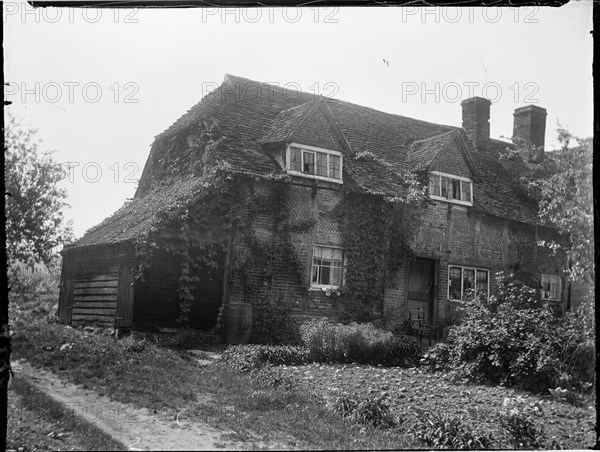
(272,321)
(270,378)
(368,410)
(218,206)
(376,234)
(576,348)
(503,340)
(517,418)
(247,357)
(441,431)
(563,184)
(35,224)
(361,343)
(26,283)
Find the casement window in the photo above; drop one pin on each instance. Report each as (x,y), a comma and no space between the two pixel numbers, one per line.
(446,187)
(327,267)
(466,282)
(551,285)
(314,163)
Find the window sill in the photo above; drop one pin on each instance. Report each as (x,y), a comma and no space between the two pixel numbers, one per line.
(452,201)
(314,176)
(322,288)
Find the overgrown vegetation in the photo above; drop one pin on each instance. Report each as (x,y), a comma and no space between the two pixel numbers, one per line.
(562,182)
(370,410)
(376,232)
(441,431)
(514,340)
(362,343)
(248,357)
(285,404)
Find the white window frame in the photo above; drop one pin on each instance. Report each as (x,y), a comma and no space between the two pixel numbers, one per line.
(315,286)
(462,180)
(551,277)
(462,289)
(313,149)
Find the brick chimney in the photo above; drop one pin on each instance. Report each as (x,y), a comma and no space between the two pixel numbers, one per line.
(530,124)
(476,121)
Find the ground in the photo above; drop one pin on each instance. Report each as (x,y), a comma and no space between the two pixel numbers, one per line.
(80,389)
(28,430)
(140,429)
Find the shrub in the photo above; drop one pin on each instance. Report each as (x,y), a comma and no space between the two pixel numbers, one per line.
(248,357)
(502,340)
(361,343)
(367,410)
(440,431)
(516,417)
(576,347)
(272,322)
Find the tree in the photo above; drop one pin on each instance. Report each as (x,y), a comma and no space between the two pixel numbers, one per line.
(562,183)
(35,225)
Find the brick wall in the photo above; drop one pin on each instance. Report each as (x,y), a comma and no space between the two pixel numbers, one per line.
(450,235)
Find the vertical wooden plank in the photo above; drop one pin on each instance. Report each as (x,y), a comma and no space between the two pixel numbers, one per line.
(125,296)
(69,294)
(62,307)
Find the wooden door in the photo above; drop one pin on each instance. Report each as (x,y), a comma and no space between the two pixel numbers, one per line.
(421,281)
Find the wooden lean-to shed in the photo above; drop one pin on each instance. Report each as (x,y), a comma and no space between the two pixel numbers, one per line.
(100,283)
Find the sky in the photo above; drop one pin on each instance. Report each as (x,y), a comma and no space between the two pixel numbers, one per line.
(100,84)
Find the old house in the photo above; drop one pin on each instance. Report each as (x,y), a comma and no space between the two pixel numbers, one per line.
(272,197)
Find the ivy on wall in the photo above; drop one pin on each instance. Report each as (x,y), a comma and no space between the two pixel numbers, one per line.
(376,231)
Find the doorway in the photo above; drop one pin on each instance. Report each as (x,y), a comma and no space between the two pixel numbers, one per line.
(421,283)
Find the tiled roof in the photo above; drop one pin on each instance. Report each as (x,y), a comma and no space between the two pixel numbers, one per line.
(286,122)
(268,114)
(136,217)
(423,152)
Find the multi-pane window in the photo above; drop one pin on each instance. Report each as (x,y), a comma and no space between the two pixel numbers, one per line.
(311,162)
(327,266)
(466,282)
(550,287)
(451,188)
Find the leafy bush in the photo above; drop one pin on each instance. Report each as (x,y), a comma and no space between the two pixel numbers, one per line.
(505,340)
(272,322)
(440,431)
(248,357)
(576,347)
(367,410)
(361,343)
(516,417)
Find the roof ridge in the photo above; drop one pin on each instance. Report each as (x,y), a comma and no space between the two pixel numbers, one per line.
(230,78)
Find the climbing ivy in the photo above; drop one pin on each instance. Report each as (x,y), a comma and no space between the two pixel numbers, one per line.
(216,201)
(376,232)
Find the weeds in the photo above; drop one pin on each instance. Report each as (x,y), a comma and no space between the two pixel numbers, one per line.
(362,343)
(441,431)
(367,410)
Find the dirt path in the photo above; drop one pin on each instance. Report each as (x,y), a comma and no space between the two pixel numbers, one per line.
(137,428)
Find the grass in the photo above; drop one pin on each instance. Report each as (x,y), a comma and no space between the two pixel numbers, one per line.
(293,415)
(170,381)
(89,436)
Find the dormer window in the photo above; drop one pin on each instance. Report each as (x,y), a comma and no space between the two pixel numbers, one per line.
(314,163)
(450,188)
